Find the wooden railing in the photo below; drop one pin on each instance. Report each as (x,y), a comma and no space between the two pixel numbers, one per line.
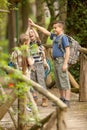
(58,114)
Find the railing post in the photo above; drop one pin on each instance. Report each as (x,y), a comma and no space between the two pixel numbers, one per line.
(83,77)
(61,121)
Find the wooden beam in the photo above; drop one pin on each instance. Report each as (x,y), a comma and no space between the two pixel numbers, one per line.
(61,121)
(73,81)
(75,90)
(43,121)
(5,107)
(50,124)
(10,111)
(84,50)
(4,11)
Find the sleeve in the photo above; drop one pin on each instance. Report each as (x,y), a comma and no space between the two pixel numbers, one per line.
(52,35)
(65,41)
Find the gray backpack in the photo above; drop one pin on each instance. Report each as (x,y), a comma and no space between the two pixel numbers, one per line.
(74,49)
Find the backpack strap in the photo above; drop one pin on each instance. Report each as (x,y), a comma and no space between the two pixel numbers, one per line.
(60,44)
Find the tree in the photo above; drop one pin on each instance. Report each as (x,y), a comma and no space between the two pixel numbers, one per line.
(3,14)
(11,28)
(54,14)
(77,20)
(62,10)
(25,10)
(40,16)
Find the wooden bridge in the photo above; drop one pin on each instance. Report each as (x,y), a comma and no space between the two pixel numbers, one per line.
(76,115)
(52,118)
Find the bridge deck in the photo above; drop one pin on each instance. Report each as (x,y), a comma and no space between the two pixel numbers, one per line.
(76,115)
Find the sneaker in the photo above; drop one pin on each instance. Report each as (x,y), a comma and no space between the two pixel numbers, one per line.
(44,102)
(35,99)
(54,105)
(67,102)
(62,99)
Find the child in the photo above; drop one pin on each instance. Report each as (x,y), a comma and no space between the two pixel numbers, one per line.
(21,58)
(38,54)
(60,58)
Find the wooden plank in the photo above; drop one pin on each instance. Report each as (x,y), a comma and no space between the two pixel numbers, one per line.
(43,121)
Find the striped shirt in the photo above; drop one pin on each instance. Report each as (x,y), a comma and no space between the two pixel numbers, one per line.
(36,52)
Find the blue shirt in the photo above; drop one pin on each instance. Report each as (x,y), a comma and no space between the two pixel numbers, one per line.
(57,52)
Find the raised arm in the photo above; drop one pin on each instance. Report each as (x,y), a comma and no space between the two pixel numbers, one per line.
(28,29)
(42,29)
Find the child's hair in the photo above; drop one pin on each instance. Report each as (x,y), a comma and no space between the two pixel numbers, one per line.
(62,23)
(23,39)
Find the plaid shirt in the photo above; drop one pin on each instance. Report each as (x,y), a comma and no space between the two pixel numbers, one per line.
(16,58)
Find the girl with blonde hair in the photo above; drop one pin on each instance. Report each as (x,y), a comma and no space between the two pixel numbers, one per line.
(38,54)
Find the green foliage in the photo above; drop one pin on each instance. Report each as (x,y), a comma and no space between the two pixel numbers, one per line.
(52,70)
(77,20)
(75,71)
(21,88)
(4,44)
(3,56)
(3,6)
(34,49)
(2,98)
(76,25)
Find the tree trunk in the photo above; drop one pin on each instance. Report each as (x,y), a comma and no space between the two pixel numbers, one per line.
(40,16)
(83,77)
(62,10)
(25,14)
(11,26)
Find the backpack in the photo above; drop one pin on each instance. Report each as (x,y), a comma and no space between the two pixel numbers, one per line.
(48,70)
(74,49)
